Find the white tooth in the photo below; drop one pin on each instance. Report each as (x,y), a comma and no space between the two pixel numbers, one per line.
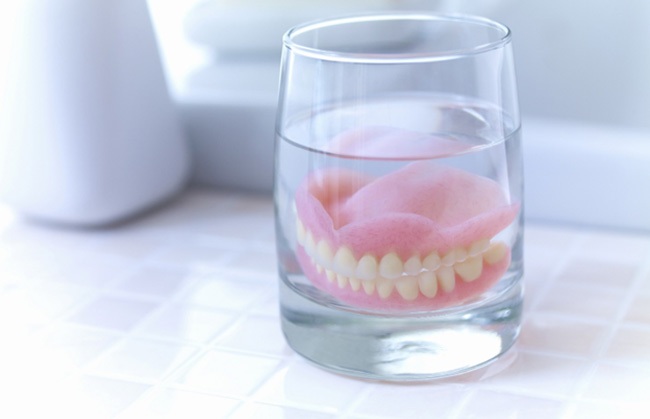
(495,252)
(431,262)
(408,288)
(479,247)
(413,266)
(310,244)
(319,269)
(385,287)
(391,266)
(368,286)
(446,278)
(470,269)
(355,283)
(367,267)
(455,255)
(324,253)
(300,231)
(344,261)
(331,276)
(428,283)
(342,281)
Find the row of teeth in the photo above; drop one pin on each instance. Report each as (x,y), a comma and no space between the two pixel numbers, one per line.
(384,275)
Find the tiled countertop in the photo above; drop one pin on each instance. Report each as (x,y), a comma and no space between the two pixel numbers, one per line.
(174,314)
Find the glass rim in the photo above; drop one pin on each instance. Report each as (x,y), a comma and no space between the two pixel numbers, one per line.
(291,44)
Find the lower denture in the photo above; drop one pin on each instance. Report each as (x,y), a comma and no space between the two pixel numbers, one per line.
(422,237)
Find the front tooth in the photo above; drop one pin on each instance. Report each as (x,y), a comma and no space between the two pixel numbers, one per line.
(367,267)
(479,247)
(355,283)
(344,262)
(495,252)
(300,232)
(368,286)
(384,287)
(470,269)
(310,244)
(413,266)
(342,281)
(408,288)
(391,266)
(431,262)
(428,283)
(324,253)
(446,277)
(331,276)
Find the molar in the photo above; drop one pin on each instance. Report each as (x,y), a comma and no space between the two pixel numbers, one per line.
(495,253)
(479,247)
(470,269)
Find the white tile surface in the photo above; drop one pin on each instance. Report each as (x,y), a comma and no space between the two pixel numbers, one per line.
(113,312)
(485,404)
(413,401)
(177,404)
(154,281)
(257,335)
(226,373)
(141,360)
(537,374)
(614,383)
(266,411)
(562,335)
(329,392)
(175,315)
(187,323)
(223,291)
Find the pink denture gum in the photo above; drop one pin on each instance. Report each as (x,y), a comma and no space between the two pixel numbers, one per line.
(419,238)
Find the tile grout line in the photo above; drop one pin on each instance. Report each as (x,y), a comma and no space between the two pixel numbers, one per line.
(553,274)
(599,354)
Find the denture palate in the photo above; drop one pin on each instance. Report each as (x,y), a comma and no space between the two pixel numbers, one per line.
(427,274)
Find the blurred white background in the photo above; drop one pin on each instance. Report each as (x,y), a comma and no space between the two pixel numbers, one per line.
(584,91)
(583,82)
(585,60)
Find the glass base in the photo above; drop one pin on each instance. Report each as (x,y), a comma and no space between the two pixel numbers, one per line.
(400,348)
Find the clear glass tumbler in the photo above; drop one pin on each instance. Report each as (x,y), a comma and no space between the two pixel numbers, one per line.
(398,193)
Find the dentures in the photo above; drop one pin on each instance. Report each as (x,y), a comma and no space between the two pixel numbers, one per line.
(422,237)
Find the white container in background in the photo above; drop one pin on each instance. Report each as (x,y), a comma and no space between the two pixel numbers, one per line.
(88,132)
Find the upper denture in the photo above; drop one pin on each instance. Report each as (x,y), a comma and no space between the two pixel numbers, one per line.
(422,207)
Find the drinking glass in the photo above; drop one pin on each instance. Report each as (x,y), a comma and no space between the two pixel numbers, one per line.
(398,194)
